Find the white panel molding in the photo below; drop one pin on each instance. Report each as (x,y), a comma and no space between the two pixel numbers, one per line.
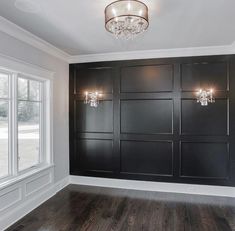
(207,190)
(19,33)
(149,54)
(26,205)
(38,183)
(10,197)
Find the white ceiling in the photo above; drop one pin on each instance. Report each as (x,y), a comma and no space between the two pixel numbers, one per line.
(77,26)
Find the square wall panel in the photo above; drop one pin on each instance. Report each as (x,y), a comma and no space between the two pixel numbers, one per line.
(91,119)
(95,155)
(204,160)
(145,157)
(204,75)
(147,78)
(204,120)
(147,116)
(95,79)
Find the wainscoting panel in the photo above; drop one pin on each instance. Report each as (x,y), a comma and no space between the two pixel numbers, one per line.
(157,78)
(95,155)
(149,126)
(200,160)
(135,116)
(17,193)
(211,120)
(94,120)
(10,197)
(147,157)
(99,79)
(37,183)
(204,75)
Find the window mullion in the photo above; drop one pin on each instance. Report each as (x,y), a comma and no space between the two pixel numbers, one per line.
(14,124)
(41,129)
(10,138)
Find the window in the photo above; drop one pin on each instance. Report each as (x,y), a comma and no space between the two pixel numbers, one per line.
(4,124)
(23,123)
(29,120)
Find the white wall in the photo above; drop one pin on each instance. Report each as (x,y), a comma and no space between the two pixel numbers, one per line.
(17,49)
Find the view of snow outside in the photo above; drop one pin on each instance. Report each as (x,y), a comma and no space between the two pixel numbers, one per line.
(28,124)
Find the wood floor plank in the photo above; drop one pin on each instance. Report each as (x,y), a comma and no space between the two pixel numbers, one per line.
(181,218)
(229,213)
(83,208)
(220,221)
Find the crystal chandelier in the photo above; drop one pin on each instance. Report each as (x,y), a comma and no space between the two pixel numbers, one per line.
(126,18)
(205,96)
(92,98)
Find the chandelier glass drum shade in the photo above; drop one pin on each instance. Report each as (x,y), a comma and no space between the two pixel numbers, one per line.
(126,18)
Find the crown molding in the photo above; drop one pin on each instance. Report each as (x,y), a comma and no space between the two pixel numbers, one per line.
(23,35)
(19,33)
(148,54)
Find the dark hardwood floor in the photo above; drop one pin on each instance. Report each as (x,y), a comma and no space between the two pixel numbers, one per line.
(92,209)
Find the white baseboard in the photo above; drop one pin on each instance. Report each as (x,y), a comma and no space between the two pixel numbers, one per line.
(155,186)
(27,206)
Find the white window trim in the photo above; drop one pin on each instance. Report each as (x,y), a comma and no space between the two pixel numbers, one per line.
(18,67)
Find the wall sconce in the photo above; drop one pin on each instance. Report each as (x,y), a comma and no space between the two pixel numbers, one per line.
(205,96)
(92,98)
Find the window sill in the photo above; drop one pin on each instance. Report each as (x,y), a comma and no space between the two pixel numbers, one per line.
(16,179)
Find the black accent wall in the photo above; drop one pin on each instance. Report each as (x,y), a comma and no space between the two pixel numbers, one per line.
(148,125)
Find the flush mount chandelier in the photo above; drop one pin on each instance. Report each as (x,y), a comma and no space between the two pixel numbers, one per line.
(205,96)
(126,18)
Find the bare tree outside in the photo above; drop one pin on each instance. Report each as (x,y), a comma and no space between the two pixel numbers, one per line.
(28,119)
(28,123)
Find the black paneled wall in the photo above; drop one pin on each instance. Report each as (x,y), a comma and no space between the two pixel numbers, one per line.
(149,126)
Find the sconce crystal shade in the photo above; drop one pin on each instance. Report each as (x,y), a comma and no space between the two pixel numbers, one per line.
(92,98)
(126,18)
(205,96)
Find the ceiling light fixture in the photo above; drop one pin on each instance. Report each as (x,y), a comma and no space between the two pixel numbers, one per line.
(126,18)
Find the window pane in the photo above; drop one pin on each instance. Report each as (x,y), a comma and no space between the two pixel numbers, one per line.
(28,89)
(34,90)
(23,89)
(28,134)
(3,85)
(3,138)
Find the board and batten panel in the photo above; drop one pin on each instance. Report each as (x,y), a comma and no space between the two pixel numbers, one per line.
(91,119)
(147,116)
(204,75)
(95,155)
(210,120)
(147,157)
(205,160)
(158,78)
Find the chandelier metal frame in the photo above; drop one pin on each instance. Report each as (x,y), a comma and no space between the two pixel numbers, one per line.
(126,18)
